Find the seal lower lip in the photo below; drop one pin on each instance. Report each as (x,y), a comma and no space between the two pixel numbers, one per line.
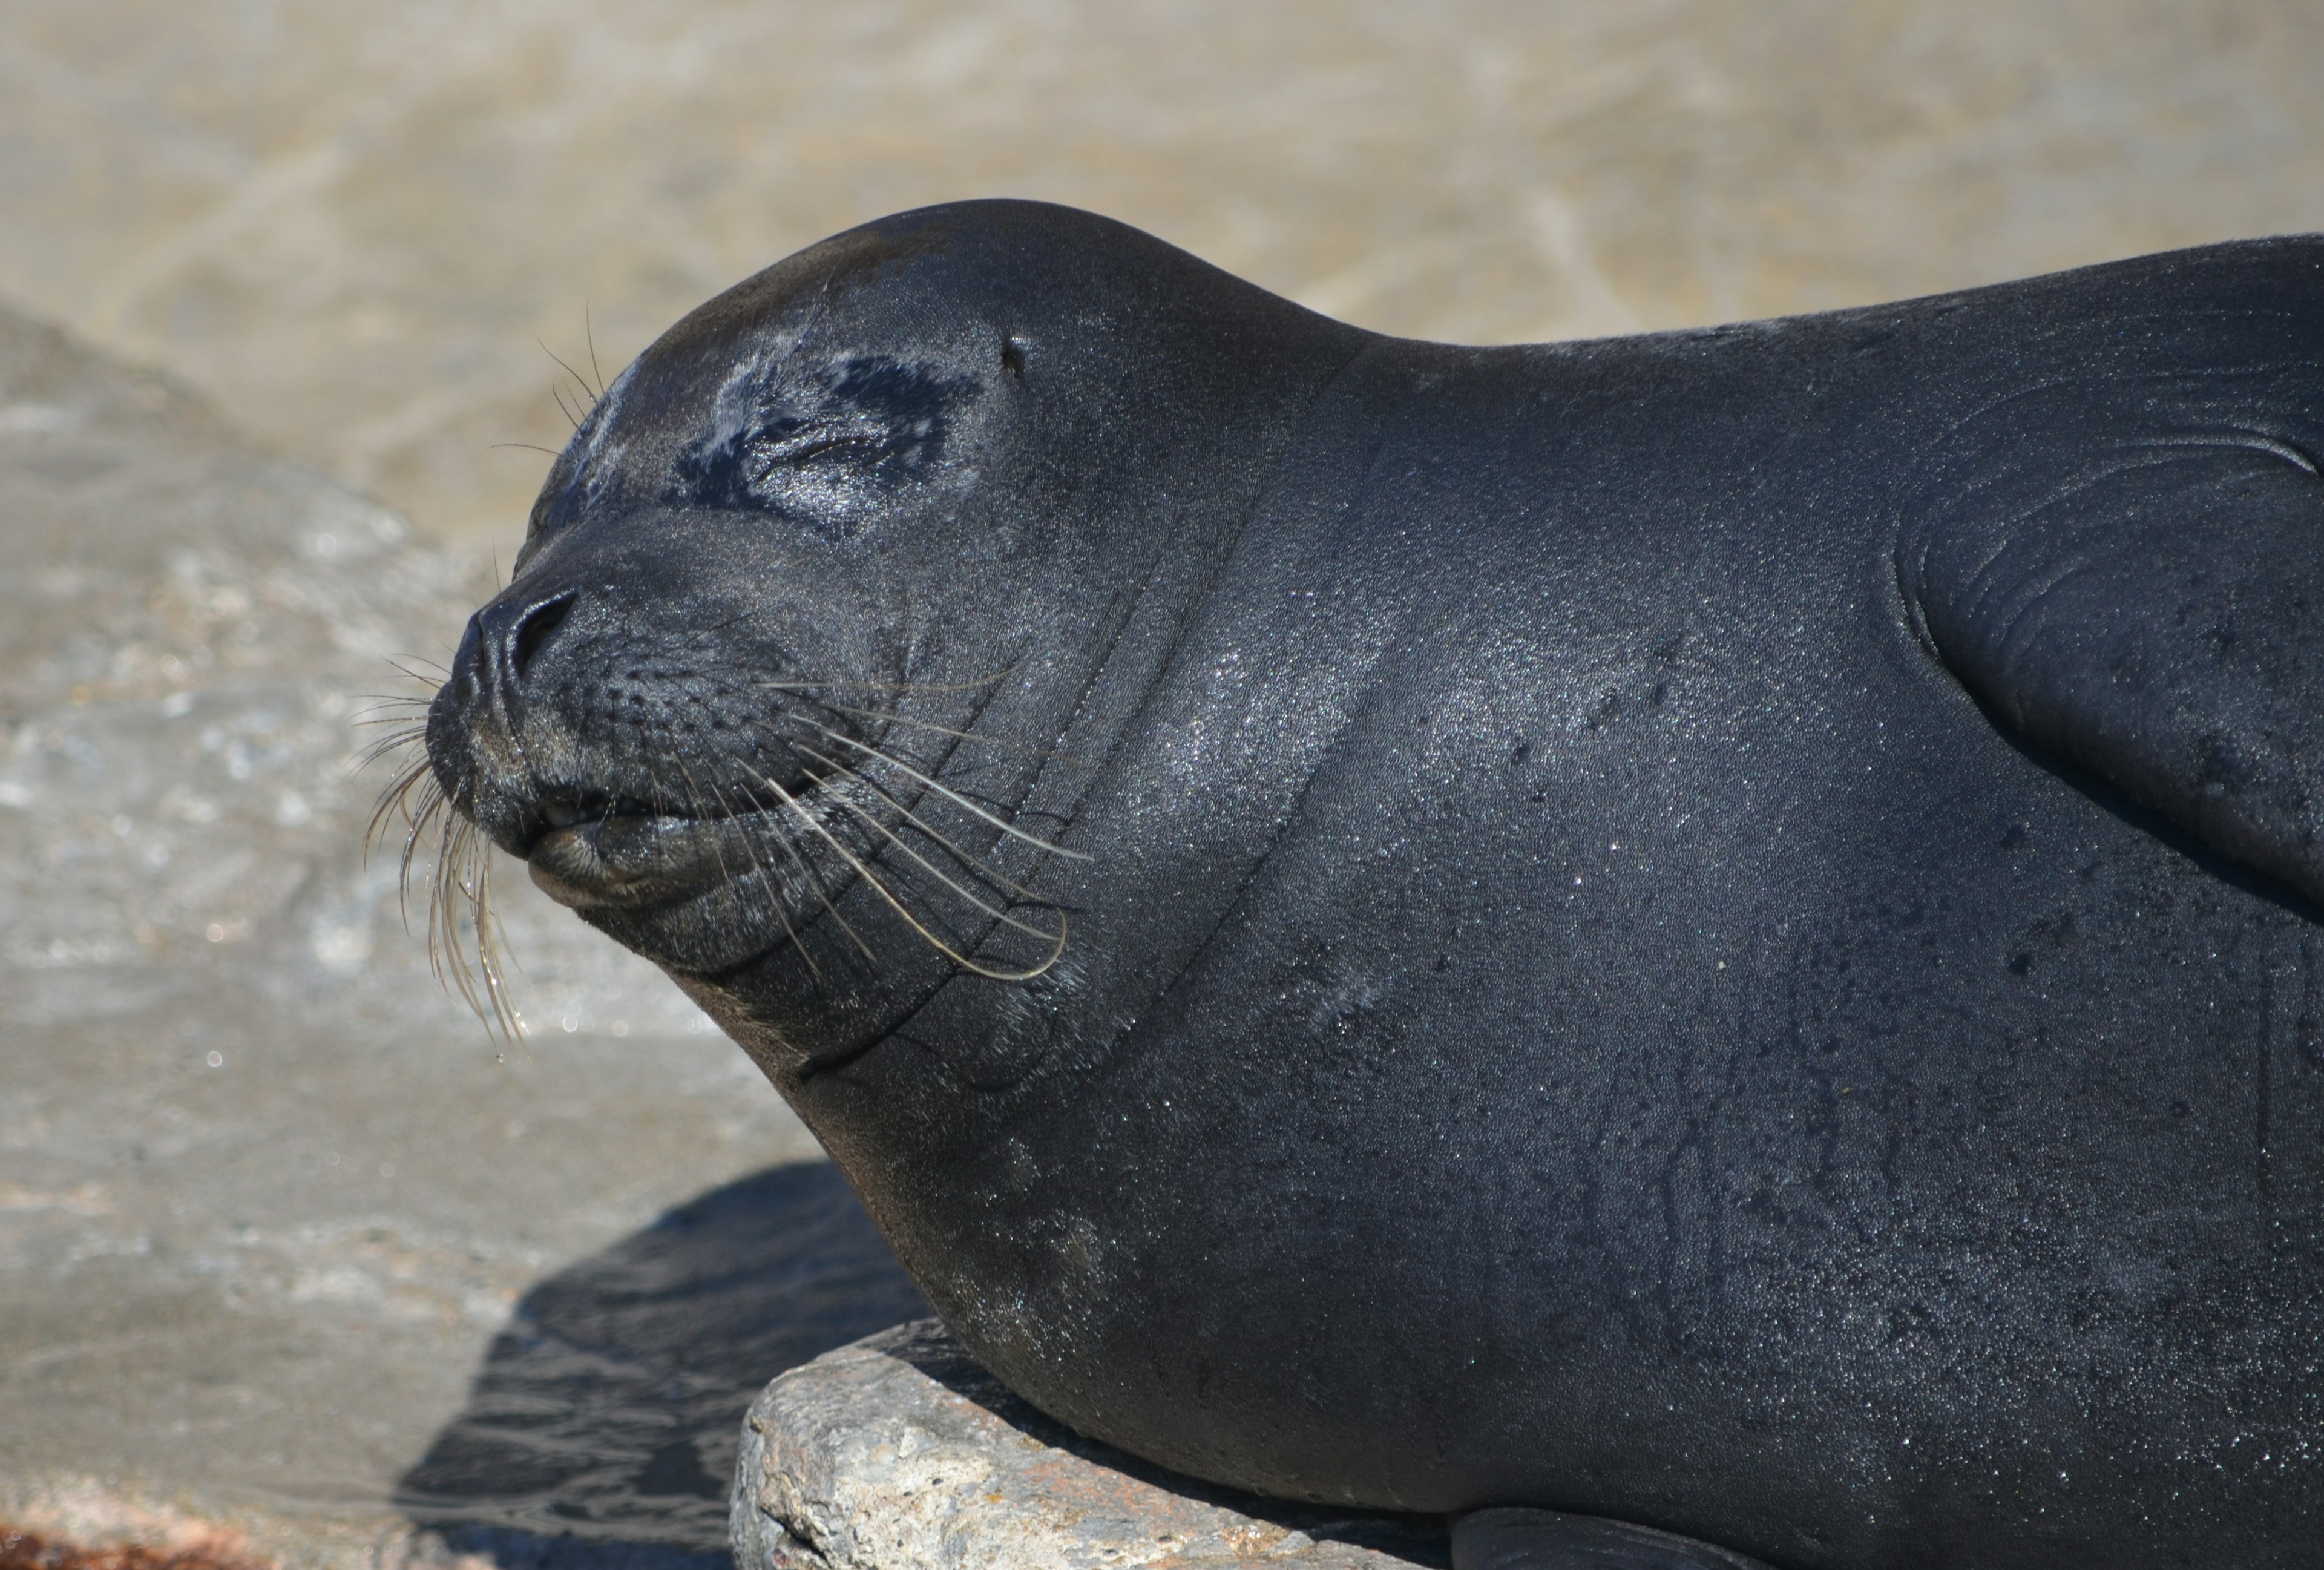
(632,859)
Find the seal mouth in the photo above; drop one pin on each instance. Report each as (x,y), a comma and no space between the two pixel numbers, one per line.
(591,848)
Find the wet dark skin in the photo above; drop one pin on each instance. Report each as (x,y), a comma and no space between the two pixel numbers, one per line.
(1711,934)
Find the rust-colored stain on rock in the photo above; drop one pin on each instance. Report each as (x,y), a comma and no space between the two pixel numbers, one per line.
(22,1550)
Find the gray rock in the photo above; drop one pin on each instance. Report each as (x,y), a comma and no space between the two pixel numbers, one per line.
(900,1452)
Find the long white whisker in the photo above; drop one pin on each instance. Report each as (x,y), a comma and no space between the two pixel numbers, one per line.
(921,824)
(888,686)
(949,794)
(813,879)
(933,941)
(904,719)
(938,873)
(765,872)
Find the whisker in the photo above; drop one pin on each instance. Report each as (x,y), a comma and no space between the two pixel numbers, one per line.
(767,876)
(568,370)
(938,873)
(810,876)
(450,842)
(394,742)
(915,821)
(949,794)
(589,332)
(432,806)
(727,877)
(463,875)
(902,719)
(396,798)
(384,700)
(888,686)
(917,925)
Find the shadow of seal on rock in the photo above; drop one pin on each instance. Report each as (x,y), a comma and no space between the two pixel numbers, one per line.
(601,1428)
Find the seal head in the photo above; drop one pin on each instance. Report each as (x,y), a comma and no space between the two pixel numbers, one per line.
(820,582)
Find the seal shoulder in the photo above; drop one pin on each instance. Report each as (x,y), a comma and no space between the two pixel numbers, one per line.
(2121,557)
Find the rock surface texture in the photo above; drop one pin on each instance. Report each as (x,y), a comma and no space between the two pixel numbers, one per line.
(900,1452)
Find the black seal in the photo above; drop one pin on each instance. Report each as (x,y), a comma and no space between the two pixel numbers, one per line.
(1717,930)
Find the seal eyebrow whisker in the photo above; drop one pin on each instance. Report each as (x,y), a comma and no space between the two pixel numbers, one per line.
(951,795)
(589,335)
(917,925)
(940,876)
(913,819)
(596,395)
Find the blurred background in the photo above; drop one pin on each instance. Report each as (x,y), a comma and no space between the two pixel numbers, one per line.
(286,1242)
(349,227)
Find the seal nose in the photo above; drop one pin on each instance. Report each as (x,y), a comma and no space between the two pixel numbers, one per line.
(534,626)
(505,638)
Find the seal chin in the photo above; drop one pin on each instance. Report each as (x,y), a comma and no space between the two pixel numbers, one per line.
(633,860)
(684,891)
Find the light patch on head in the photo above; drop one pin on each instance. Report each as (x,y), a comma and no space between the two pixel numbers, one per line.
(823,441)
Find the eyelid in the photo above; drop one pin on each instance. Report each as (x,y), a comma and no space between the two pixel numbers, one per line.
(814,444)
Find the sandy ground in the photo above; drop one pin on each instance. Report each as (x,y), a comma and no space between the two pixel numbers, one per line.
(281,1236)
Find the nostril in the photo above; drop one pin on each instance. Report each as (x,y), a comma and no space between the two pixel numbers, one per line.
(534,628)
(464,662)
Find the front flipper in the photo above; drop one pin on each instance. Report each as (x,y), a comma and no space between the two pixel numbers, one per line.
(2151,610)
(1525,1539)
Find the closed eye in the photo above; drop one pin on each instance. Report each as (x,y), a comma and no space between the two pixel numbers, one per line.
(816,444)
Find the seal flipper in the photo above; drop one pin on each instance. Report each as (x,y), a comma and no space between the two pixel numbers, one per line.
(2157,619)
(1528,1540)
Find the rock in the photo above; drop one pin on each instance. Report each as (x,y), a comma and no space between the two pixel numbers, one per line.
(900,1452)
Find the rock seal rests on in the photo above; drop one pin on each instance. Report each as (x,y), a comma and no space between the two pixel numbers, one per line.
(900,1452)
(1715,930)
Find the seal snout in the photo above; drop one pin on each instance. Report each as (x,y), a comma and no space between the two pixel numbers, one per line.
(639,762)
(488,742)
(506,638)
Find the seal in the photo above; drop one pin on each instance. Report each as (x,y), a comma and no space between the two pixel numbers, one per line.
(1702,945)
